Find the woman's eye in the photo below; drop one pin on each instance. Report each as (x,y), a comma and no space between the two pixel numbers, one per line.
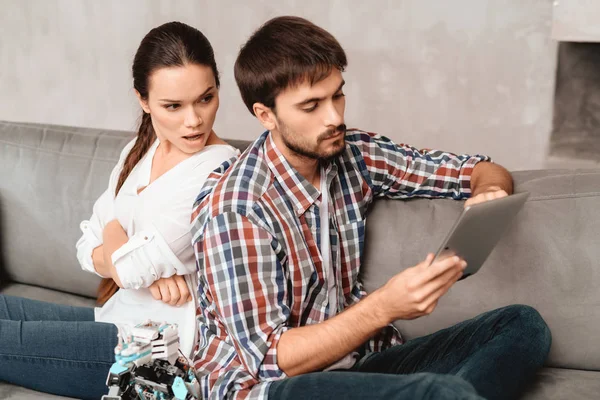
(172,107)
(339,95)
(207,99)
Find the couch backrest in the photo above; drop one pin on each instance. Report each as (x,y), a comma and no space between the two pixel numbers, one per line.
(50,177)
(549,259)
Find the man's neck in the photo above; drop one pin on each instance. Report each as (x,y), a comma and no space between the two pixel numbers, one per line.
(307,167)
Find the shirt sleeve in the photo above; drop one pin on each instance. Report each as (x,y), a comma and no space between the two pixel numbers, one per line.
(103,213)
(402,171)
(241,271)
(161,246)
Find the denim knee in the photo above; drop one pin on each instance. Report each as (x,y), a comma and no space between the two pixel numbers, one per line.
(443,386)
(528,321)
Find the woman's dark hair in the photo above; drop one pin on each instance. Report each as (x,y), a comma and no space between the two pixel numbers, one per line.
(285,51)
(173,44)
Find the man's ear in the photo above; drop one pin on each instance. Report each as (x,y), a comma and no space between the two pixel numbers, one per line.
(265,116)
(143,103)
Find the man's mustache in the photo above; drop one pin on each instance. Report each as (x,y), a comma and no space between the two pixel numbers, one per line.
(331,132)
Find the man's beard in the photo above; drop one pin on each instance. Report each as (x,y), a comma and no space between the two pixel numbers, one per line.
(302,150)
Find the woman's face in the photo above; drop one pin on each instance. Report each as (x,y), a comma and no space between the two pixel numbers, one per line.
(183,103)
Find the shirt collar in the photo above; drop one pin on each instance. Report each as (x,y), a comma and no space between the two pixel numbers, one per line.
(299,190)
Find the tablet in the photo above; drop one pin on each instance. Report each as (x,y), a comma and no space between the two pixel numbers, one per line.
(478,230)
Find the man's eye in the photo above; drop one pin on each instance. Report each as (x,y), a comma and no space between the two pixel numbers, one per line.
(311,109)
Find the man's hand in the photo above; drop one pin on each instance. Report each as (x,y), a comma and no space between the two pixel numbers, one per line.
(486,194)
(415,291)
(410,294)
(489,181)
(172,290)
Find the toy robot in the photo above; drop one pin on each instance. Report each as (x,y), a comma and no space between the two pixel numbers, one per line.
(147,366)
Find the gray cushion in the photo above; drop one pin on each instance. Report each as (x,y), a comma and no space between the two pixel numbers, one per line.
(548,259)
(50,295)
(561,384)
(11,392)
(550,384)
(50,178)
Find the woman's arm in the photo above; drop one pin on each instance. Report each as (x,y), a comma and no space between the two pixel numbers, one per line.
(88,253)
(114,236)
(161,245)
(98,261)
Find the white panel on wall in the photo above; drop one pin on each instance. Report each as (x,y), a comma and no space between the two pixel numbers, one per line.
(466,75)
(576,20)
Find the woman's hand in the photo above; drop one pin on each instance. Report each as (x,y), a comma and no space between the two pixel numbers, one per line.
(172,290)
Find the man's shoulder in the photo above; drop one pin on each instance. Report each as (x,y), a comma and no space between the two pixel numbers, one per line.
(235,187)
(365,140)
(360,147)
(354,135)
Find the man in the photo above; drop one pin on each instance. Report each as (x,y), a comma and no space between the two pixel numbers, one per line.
(278,238)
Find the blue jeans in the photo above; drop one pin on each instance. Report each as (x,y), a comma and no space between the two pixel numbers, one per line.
(55,348)
(492,356)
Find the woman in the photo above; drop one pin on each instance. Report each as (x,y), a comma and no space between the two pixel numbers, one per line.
(138,235)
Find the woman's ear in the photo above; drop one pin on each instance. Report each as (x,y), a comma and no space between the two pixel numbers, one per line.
(265,116)
(143,103)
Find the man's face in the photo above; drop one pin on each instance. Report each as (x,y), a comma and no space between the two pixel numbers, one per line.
(310,119)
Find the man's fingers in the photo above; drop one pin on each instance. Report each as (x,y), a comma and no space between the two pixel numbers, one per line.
(439,267)
(486,196)
(447,279)
(427,262)
(442,290)
(500,194)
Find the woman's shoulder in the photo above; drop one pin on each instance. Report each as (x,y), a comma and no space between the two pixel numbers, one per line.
(218,151)
(127,149)
(211,157)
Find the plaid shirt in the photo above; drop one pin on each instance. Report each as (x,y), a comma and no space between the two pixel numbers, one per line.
(256,235)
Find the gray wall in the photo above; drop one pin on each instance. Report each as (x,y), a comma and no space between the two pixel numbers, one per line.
(465,75)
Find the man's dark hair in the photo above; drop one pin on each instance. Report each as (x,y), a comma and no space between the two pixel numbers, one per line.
(285,51)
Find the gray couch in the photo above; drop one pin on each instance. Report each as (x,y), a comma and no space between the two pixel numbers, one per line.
(50,177)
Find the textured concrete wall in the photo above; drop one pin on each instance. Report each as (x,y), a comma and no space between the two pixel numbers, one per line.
(466,75)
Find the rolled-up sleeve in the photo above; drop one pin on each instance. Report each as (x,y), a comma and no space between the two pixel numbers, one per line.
(402,171)
(92,231)
(145,258)
(103,212)
(242,273)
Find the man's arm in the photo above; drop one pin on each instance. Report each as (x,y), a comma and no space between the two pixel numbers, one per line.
(489,181)
(489,176)
(408,295)
(399,171)
(240,269)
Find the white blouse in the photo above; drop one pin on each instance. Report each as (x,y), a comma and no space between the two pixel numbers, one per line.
(157,222)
